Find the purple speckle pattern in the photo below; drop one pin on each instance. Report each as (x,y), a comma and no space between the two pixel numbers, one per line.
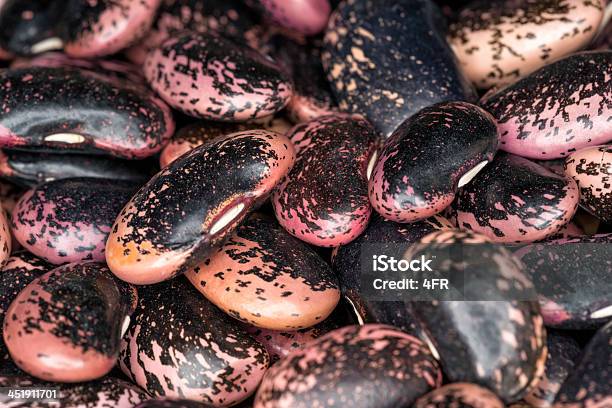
(421,164)
(558,109)
(375,363)
(191,349)
(69,220)
(39,107)
(513,200)
(324,200)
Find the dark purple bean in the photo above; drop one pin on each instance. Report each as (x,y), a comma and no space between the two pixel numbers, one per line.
(28,27)
(590,383)
(347,264)
(388,60)
(194,204)
(498,344)
(79,111)
(428,158)
(31,169)
(324,199)
(572,278)
(563,351)
(80,28)
(179,345)
(66,324)
(515,200)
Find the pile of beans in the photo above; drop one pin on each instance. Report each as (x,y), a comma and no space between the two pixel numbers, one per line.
(187,186)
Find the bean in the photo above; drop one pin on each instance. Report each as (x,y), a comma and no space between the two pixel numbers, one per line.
(408,183)
(265,277)
(238,83)
(515,200)
(191,206)
(69,220)
(111,117)
(388,60)
(387,366)
(502,43)
(323,200)
(191,349)
(66,324)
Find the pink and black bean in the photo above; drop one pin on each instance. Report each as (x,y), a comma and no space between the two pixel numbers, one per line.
(20,269)
(79,111)
(103,27)
(65,326)
(6,244)
(408,181)
(190,350)
(502,41)
(372,365)
(265,277)
(513,200)
(69,220)
(558,109)
(112,68)
(591,168)
(324,199)
(210,77)
(194,204)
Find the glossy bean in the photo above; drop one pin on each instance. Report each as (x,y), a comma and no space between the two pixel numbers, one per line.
(194,204)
